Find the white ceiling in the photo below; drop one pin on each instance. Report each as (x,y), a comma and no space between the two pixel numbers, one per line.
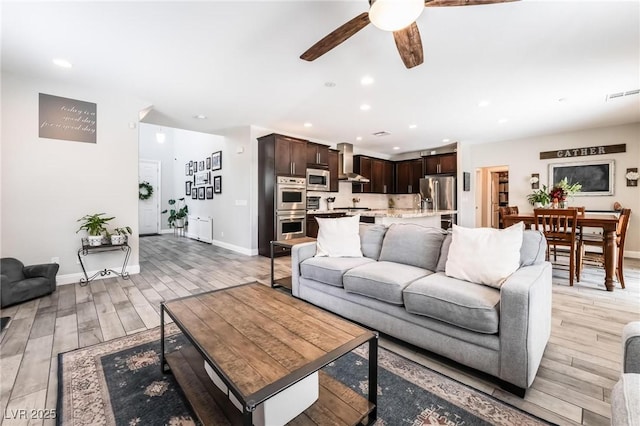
(237,62)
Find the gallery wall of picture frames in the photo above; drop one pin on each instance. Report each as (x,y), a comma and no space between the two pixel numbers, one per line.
(202,183)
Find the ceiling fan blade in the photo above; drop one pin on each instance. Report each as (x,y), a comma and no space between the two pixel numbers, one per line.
(442,3)
(409,45)
(336,37)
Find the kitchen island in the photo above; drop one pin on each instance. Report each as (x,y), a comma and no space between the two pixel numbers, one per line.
(421,217)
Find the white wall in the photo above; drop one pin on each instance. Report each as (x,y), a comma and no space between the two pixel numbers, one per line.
(48,184)
(522,157)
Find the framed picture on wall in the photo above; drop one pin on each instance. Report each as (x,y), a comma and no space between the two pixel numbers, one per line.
(201,193)
(195,166)
(194,193)
(216,160)
(209,192)
(201,165)
(217,184)
(186,170)
(187,187)
(202,178)
(208,166)
(596,177)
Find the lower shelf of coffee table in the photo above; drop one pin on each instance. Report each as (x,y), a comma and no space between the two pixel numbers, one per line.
(337,404)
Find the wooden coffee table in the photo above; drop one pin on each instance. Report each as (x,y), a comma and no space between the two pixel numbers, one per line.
(260,342)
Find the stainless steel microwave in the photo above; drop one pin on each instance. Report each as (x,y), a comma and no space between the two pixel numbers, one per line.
(318,180)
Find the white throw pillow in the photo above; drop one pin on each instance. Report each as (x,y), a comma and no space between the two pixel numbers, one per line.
(484,255)
(339,237)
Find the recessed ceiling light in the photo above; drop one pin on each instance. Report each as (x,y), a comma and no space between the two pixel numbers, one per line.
(307,124)
(396,148)
(413,126)
(63,63)
(359,138)
(365,107)
(200,116)
(503,120)
(446,140)
(330,84)
(562,99)
(483,104)
(366,80)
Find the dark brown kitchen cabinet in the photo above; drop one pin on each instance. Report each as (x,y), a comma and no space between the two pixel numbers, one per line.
(334,158)
(408,174)
(379,172)
(317,155)
(312,223)
(362,166)
(290,156)
(441,163)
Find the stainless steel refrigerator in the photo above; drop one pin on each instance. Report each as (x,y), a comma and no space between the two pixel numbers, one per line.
(439,193)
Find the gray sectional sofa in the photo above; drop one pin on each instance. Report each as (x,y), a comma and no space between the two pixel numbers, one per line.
(399,287)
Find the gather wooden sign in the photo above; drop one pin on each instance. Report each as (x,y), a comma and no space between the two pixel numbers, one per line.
(583,152)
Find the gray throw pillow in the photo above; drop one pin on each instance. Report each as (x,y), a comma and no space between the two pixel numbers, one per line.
(412,244)
(444,253)
(371,237)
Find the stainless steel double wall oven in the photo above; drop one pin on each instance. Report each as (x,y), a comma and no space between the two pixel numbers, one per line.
(291,200)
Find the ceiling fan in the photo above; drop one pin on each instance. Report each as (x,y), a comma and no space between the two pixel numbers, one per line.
(398,16)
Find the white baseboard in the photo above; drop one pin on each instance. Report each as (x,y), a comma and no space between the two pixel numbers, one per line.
(166,231)
(632,254)
(233,247)
(75,278)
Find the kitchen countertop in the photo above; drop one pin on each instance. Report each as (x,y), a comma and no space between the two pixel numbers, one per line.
(399,213)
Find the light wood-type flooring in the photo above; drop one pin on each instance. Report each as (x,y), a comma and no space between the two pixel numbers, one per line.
(579,368)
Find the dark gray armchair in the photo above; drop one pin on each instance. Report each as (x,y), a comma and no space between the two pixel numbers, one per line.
(19,283)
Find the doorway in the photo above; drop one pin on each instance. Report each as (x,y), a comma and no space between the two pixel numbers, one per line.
(492,192)
(149,209)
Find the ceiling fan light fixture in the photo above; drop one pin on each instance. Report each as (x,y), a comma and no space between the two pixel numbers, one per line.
(394,15)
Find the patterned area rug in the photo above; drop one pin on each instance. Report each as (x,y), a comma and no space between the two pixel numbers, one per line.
(120,383)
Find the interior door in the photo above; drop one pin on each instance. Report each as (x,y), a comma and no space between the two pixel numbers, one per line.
(149,209)
(495,217)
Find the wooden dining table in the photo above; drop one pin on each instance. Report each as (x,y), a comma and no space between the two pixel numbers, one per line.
(606,222)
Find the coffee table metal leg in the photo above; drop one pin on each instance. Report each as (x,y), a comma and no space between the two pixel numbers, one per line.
(272,282)
(373,378)
(247,417)
(162,360)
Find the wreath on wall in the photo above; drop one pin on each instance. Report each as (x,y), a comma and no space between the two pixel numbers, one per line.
(145,191)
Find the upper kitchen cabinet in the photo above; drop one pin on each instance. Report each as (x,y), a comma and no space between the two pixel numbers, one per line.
(441,164)
(317,155)
(408,174)
(290,155)
(334,159)
(379,172)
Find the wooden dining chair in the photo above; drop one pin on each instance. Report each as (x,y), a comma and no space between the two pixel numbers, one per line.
(506,211)
(559,228)
(597,240)
(581,210)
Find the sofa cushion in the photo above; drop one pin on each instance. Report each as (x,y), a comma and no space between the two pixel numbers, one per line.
(371,237)
(534,248)
(484,255)
(444,253)
(625,401)
(382,280)
(412,244)
(338,237)
(329,270)
(471,306)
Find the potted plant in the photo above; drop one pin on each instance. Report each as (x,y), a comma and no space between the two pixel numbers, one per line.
(94,224)
(539,198)
(178,214)
(119,235)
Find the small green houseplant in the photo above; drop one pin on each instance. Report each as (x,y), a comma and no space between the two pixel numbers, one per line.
(177,214)
(119,235)
(95,225)
(539,197)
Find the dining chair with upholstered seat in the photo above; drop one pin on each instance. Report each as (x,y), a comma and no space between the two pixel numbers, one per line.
(559,228)
(597,240)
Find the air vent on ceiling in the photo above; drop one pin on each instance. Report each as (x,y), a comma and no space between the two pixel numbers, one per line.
(621,94)
(381,133)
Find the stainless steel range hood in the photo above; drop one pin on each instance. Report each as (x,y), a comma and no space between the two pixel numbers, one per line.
(345,168)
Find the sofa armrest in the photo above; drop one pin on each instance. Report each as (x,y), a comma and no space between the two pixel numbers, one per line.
(46,270)
(525,322)
(631,348)
(299,253)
